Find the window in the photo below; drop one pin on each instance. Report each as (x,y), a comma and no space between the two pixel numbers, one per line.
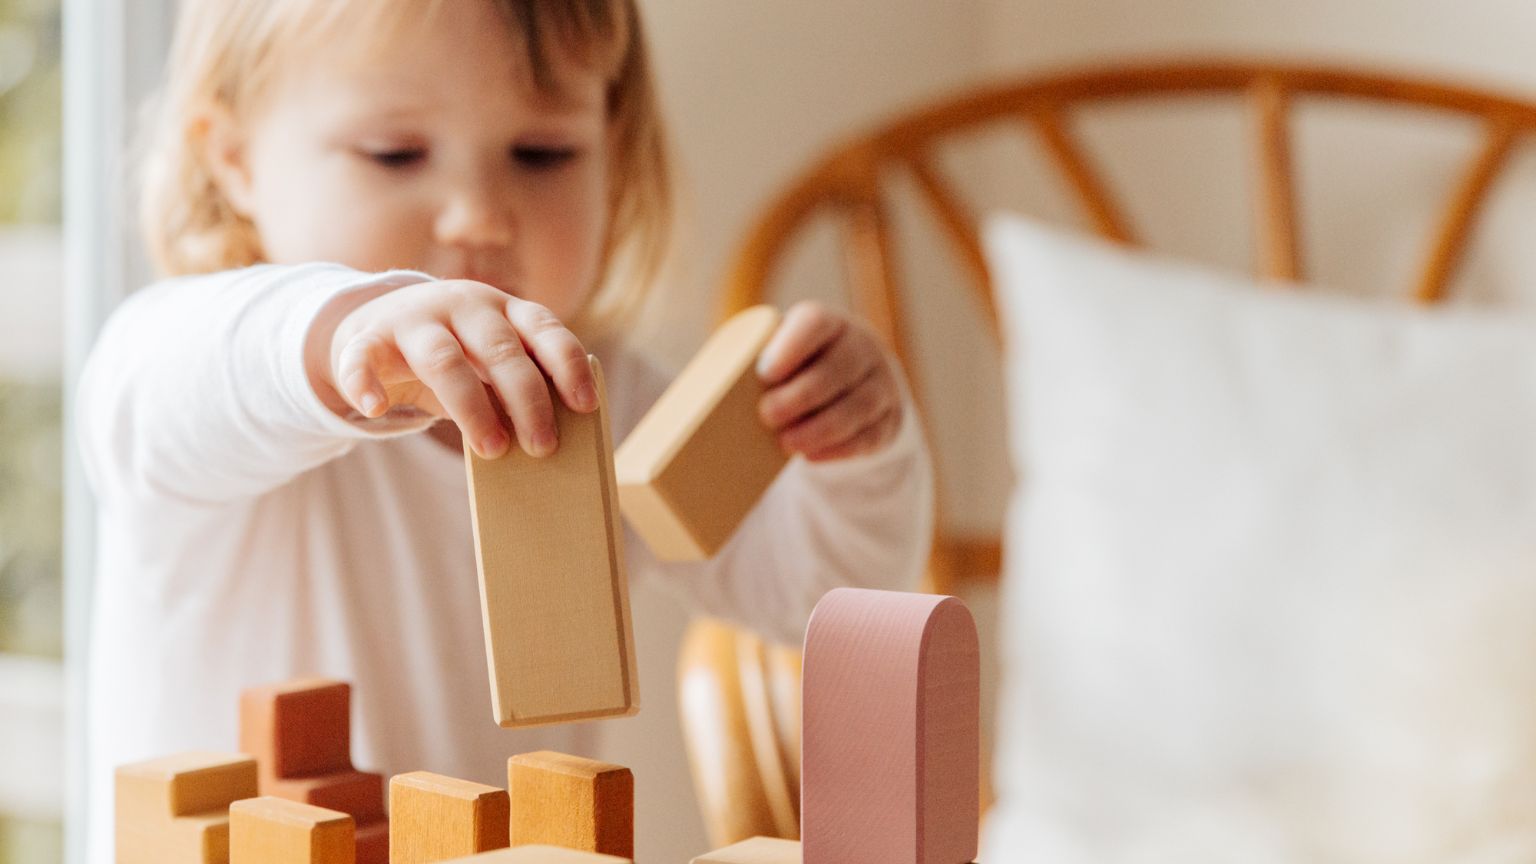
(31,458)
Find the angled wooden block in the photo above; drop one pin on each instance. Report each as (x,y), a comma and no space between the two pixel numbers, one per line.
(271,830)
(891,752)
(434,818)
(300,733)
(558,637)
(298,728)
(572,802)
(175,810)
(540,855)
(758,850)
(699,460)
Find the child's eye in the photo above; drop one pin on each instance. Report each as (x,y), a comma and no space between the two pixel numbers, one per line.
(395,158)
(543,158)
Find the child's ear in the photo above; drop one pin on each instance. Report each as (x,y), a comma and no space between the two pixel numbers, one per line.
(222,142)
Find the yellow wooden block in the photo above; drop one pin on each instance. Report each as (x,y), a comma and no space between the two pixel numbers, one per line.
(553,591)
(540,855)
(758,850)
(700,459)
(175,810)
(572,802)
(432,818)
(270,830)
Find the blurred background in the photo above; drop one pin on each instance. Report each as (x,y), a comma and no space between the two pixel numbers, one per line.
(755,89)
(31,467)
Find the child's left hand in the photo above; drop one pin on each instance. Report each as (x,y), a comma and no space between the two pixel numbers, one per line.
(832,391)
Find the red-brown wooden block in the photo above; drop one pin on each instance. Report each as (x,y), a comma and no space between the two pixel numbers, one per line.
(891,750)
(300,733)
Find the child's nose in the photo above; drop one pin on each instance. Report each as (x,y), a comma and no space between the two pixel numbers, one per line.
(473,220)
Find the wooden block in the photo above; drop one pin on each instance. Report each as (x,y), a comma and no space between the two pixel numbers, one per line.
(175,810)
(271,830)
(301,735)
(758,850)
(572,802)
(558,637)
(373,842)
(359,794)
(433,818)
(891,753)
(298,728)
(540,855)
(701,458)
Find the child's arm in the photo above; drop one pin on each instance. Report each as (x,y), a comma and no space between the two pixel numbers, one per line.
(201,389)
(856,510)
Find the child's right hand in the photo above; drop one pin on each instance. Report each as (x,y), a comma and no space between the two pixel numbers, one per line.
(446,347)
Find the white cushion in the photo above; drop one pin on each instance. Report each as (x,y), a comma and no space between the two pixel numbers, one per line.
(1271,570)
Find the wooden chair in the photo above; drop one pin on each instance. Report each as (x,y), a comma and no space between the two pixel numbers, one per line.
(737,711)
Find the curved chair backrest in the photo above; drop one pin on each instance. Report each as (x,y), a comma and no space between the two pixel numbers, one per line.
(744,751)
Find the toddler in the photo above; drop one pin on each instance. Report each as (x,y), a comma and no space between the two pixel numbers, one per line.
(386,223)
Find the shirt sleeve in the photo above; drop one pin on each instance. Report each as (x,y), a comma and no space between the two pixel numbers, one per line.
(865,522)
(196,390)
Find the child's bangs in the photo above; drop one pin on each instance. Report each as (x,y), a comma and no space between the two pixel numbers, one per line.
(594,34)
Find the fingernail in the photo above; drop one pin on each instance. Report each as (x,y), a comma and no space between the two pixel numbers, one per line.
(493,445)
(371,404)
(544,443)
(586,397)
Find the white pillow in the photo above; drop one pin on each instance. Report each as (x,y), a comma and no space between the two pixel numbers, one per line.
(1271,576)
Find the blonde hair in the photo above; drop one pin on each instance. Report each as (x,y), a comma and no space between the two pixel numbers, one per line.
(226,51)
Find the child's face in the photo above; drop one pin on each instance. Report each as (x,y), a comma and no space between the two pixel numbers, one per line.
(435,153)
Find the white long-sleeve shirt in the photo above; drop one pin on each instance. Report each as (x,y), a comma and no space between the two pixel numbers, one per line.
(248,535)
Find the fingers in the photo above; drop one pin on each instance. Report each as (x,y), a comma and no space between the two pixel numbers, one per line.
(437,358)
(495,350)
(438,345)
(870,410)
(868,440)
(838,369)
(807,329)
(558,352)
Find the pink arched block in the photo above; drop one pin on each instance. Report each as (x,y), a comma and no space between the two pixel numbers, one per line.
(891,753)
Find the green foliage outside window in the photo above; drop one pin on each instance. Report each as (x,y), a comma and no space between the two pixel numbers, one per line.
(30,111)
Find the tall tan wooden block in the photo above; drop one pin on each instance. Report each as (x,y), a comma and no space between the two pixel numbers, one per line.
(301,735)
(271,830)
(891,754)
(540,855)
(175,810)
(434,818)
(758,850)
(572,802)
(700,459)
(555,598)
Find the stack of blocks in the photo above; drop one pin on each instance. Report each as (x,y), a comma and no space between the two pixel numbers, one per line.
(891,705)
(300,734)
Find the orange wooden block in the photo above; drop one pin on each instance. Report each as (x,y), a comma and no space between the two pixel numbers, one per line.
(433,818)
(572,802)
(540,855)
(559,642)
(891,749)
(699,460)
(301,735)
(298,728)
(271,830)
(758,850)
(175,810)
